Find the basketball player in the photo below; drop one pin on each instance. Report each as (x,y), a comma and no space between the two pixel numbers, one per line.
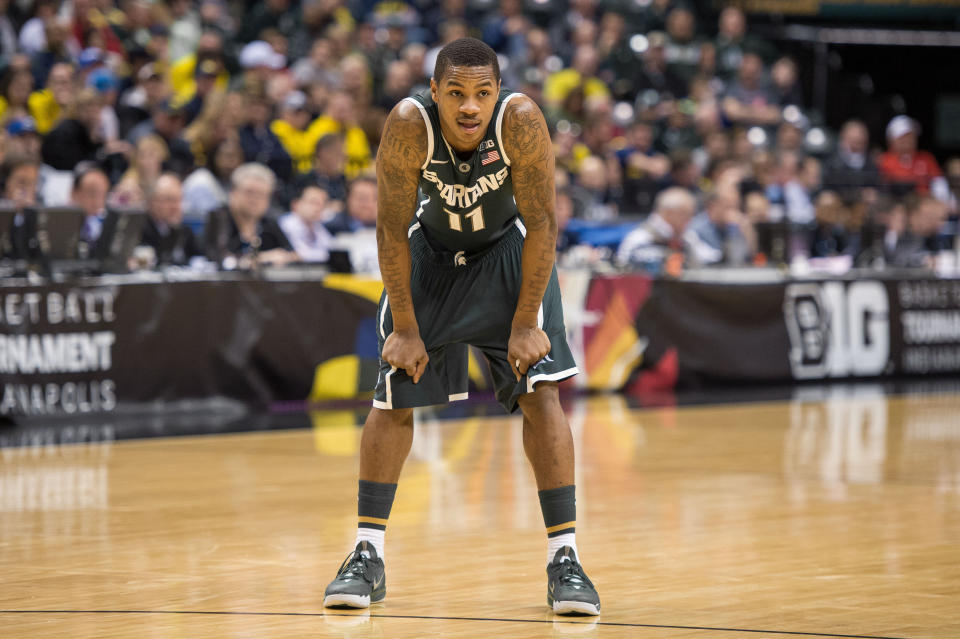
(466,232)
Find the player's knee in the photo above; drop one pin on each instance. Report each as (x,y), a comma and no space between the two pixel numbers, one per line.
(542,404)
(398,417)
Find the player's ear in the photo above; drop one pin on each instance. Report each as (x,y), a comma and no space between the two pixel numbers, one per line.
(433,89)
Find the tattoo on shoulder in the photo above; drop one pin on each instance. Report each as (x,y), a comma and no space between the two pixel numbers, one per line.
(527,143)
(404,140)
(525,133)
(402,152)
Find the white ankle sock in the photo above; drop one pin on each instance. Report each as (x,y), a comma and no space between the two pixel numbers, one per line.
(556,543)
(373,537)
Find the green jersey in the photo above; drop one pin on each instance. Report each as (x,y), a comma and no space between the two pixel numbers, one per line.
(465,201)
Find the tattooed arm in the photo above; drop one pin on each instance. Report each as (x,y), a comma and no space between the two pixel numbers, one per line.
(402,152)
(527,143)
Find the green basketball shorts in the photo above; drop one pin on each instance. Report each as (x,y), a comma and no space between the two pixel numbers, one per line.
(463,301)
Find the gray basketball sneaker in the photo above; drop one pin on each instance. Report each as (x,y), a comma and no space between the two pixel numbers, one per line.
(359,582)
(569,590)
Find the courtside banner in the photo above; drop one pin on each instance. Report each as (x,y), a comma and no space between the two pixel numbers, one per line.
(75,349)
(691,333)
(91,347)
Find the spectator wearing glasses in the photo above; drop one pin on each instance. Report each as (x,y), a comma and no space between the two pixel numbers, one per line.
(243,230)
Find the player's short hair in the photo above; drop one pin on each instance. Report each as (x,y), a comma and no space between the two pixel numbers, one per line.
(466,52)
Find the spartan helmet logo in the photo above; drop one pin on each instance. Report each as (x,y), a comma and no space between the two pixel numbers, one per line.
(460,259)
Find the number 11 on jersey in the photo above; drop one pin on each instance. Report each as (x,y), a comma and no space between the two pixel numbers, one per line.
(475,217)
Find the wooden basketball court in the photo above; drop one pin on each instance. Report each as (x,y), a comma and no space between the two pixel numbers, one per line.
(832,515)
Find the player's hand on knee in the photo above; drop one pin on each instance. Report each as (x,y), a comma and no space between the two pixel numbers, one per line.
(405,350)
(527,346)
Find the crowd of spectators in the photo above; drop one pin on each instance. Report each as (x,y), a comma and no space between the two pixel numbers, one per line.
(248,130)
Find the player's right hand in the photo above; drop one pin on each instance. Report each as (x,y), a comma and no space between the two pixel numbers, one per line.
(405,350)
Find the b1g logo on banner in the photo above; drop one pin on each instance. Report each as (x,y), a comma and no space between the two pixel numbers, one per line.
(837,329)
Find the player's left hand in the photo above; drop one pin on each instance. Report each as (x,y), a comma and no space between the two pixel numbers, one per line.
(527,346)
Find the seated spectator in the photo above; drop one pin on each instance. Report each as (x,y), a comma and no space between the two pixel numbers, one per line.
(667,232)
(291,129)
(16,85)
(329,161)
(50,105)
(167,121)
(641,168)
(921,240)
(785,82)
(800,182)
(905,167)
(75,139)
(581,75)
(340,116)
(725,228)
(206,84)
(319,68)
(205,189)
(183,73)
(504,30)
(790,134)
(397,84)
(105,83)
(593,195)
(22,137)
(138,102)
(638,158)
(361,208)
(260,145)
(172,241)
(32,38)
(747,101)
(757,207)
(684,172)
(303,225)
(654,83)
(360,217)
(733,43)
(242,230)
(20,175)
(683,50)
(146,165)
(835,231)
(90,188)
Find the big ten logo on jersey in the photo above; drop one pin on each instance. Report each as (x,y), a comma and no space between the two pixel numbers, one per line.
(837,329)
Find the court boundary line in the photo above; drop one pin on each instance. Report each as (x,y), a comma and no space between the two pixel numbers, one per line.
(445,618)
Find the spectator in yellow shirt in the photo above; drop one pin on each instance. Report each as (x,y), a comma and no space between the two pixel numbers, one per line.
(292,131)
(340,117)
(582,72)
(50,105)
(183,72)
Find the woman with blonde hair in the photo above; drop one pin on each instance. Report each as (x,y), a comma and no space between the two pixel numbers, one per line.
(146,165)
(211,126)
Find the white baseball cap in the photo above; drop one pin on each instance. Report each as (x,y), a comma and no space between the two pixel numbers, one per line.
(260,54)
(901,125)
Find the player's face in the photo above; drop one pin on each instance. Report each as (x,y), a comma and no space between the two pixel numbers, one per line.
(465,97)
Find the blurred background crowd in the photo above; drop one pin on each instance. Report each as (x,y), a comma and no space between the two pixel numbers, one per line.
(248,130)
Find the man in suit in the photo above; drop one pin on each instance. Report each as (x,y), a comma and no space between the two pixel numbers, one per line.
(172,241)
